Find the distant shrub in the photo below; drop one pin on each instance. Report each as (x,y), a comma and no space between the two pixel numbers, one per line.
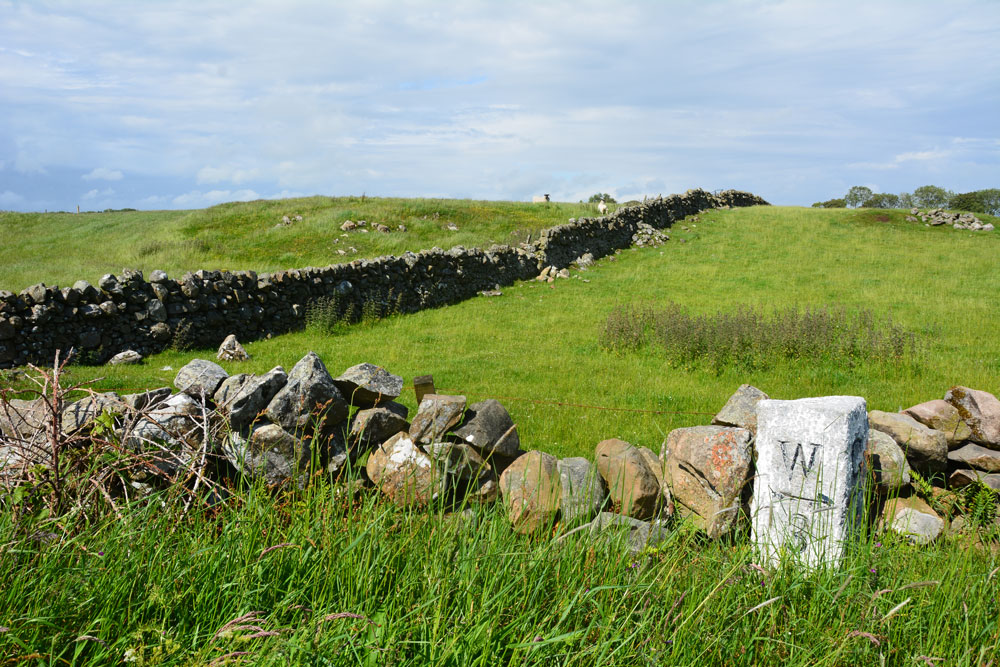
(749,339)
(979,201)
(883,200)
(831,203)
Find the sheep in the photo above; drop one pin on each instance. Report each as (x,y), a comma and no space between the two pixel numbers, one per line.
(602,207)
(540,200)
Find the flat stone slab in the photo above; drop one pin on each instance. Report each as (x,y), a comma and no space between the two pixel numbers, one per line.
(977,457)
(808,498)
(200,377)
(941,416)
(366,385)
(741,408)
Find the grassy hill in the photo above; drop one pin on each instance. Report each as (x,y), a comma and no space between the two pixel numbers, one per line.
(61,248)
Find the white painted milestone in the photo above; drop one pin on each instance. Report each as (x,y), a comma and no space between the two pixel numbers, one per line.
(808,496)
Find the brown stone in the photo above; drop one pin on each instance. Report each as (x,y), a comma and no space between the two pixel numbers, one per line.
(926,449)
(707,469)
(531,491)
(436,414)
(941,416)
(659,470)
(632,487)
(977,457)
(981,411)
(404,473)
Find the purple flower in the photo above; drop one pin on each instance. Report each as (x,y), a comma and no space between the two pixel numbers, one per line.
(878,544)
(872,570)
(100,553)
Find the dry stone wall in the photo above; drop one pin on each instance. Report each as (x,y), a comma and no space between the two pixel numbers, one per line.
(129,311)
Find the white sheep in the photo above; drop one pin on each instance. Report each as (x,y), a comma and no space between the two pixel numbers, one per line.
(539,200)
(602,207)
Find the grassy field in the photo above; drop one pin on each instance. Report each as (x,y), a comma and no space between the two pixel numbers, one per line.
(59,248)
(363,583)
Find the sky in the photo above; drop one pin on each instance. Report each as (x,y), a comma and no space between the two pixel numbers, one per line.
(165,105)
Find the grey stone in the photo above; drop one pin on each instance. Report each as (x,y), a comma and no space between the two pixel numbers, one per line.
(242,398)
(913,519)
(964,477)
(366,385)
(659,469)
(531,492)
(231,350)
(270,453)
(308,398)
(637,535)
(373,426)
(80,414)
(157,276)
(886,461)
(707,470)
(582,490)
(404,473)
(156,310)
(981,411)
(741,408)
(941,416)
(200,377)
(143,400)
(808,499)
(488,426)
(975,456)
(21,418)
(926,449)
(128,357)
(633,488)
(460,464)
(436,415)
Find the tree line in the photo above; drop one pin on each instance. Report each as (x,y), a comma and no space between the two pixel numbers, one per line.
(927,196)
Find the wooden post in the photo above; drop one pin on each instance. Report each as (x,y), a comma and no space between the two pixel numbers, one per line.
(423,384)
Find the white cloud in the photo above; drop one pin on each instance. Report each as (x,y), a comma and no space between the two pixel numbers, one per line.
(95,193)
(197,198)
(8,198)
(103,174)
(230,174)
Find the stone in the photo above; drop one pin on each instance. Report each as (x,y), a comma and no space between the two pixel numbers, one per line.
(981,411)
(976,456)
(637,535)
(200,377)
(310,398)
(707,469)
(582,490)
(531,492)
(79,414)
(125,358)
(21,418)
(436,414)
(371,427)
(461,465)
(964,477)
(913,519)
(404,473)
(659,470)
(941,416)
(886,461)
(146,399)
(270,453)
(366,385)
(808,499)
(487,425)
(632,487)
(182,417)
(231,350)
(925,448)
(741,408)
(241,398)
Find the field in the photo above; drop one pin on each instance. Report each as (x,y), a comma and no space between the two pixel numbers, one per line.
(384,586)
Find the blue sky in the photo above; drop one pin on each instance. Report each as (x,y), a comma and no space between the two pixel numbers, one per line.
(158,105)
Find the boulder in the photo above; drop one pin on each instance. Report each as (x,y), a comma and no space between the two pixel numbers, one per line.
(464,470)
(981,411)
(373,426)
(531,492)
(659,470)
(977,457)
(941,416)
(965,477)
(487,425)
(926,449)
(146,399)
(637,535)
(582,490)
(886,461)
(707,468)
(914,519)
(181,417)
(367,385)
(23,418)
(243,397)
(309,399)
(741,408)
(436,414)
(404,473)
(269,453)
(200,377)
(126,358)
(168,436)
(231,350)
(79,414)
(632,487)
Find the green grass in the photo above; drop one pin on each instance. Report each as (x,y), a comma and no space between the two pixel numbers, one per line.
(59,248)
(435,590)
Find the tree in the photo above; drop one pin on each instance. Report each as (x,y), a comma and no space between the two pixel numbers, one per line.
(978,201)
(883,200)
(830,203)
(599,196)
(858,196)
(930,196)
(906,200)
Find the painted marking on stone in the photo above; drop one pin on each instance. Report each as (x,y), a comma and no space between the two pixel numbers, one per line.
(798,456)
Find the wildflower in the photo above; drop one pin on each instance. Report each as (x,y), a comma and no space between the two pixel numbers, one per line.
(872,570)
(100,553)
(878,544)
